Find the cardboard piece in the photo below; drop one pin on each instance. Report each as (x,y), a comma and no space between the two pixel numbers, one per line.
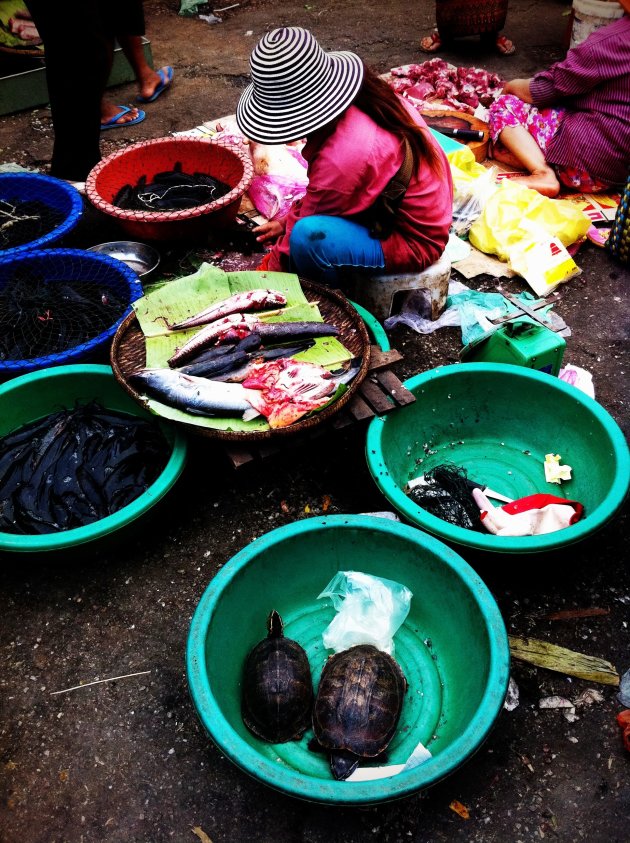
(478,263)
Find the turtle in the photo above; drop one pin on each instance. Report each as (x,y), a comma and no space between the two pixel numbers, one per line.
(357,707)
(277,698)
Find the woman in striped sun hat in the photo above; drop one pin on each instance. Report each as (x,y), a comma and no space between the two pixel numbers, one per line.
(357,133)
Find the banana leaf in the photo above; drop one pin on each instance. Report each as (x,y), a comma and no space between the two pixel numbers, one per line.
(553,657)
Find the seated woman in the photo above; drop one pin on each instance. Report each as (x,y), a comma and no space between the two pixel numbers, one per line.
(357,132)
(462,18)
(570,124)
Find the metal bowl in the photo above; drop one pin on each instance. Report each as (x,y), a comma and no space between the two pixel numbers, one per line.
(140,257)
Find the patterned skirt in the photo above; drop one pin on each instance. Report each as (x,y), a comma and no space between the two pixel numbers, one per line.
(459,18)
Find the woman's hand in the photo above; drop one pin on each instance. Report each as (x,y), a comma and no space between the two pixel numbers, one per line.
(269,230)
(520,88)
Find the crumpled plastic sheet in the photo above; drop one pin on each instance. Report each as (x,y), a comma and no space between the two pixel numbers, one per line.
(579,378)
(469,309)
(188,8)
(369,611)
(624,689)
(273,195)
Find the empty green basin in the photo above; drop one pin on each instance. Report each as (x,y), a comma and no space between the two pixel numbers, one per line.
(498,422)
(33,396)
(452,648)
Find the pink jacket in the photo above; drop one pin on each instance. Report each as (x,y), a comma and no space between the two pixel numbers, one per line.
(350,168)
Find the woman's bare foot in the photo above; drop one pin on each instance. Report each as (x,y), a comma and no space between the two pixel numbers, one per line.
(544,181)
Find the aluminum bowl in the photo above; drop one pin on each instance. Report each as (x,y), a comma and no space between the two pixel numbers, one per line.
(140,257)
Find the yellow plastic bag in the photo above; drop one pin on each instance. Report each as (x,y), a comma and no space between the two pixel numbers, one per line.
(530,232)
(464,166)
(501,223)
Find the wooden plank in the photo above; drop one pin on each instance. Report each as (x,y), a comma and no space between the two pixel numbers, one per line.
(383,359)
(375,397)
(359,409)
(238,456)
(341,420)
(392,385)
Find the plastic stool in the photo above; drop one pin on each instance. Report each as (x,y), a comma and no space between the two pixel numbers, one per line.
(377,292)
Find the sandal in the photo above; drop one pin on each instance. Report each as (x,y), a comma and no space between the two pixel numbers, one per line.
(505,46)
(432,43)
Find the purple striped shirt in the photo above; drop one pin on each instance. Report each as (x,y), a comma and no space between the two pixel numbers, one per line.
(593,84)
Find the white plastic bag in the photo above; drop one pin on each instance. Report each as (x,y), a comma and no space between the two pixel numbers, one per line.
(369,611)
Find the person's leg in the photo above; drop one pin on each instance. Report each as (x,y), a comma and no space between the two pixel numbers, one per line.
(111,114)
(121,19)
(518,141)
(520,133)
(76,76)
(147,78)
(323,247)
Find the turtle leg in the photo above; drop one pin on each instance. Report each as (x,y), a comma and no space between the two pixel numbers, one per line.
(315,746)
(343,764)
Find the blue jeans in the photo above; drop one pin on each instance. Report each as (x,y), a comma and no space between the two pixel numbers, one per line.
(321,246)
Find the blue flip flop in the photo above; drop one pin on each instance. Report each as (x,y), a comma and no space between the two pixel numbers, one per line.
(166,77)
(124,109)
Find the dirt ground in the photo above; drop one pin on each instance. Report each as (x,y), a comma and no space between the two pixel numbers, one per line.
(128,761)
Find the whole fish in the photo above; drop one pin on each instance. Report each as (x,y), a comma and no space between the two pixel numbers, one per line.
(221,368)
(233,327)
(249,343)
(238,303)
(239,325)
(198,396)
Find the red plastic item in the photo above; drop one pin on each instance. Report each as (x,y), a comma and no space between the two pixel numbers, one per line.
(623,718)
(263,266)
(229,163)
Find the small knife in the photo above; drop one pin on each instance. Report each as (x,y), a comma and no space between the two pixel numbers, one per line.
(461,134)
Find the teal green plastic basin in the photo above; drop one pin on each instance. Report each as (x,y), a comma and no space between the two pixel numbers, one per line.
(498,421)
(452,648)
(33,396)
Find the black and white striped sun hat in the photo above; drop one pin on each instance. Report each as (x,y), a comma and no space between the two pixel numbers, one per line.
(296,87)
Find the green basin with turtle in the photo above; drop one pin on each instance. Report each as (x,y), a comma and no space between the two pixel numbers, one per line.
(452,649)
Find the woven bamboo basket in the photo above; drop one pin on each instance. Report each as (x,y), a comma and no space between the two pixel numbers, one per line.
(128,357)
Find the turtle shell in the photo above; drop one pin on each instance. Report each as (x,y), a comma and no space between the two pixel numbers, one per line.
(277,697)
(358,705)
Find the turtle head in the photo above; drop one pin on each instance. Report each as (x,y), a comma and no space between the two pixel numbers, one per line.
(275,626)
(343,765)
